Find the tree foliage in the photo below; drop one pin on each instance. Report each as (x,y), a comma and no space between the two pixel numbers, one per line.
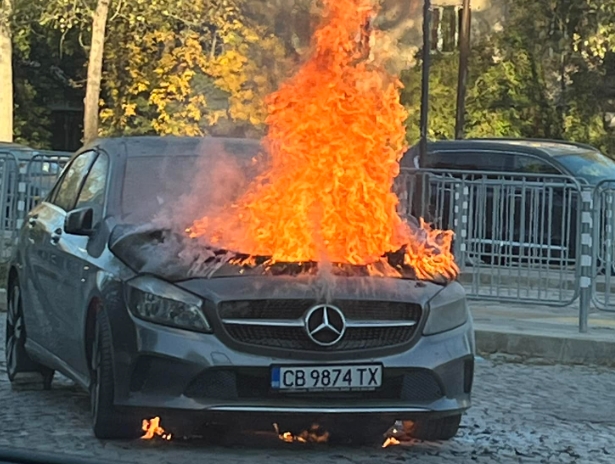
(44,74)
(196,67)
(548,73)
(199,66)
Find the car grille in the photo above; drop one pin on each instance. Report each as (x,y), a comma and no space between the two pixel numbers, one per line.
(296,338)
(370,334)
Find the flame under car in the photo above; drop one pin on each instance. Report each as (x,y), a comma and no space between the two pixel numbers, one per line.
(153,323)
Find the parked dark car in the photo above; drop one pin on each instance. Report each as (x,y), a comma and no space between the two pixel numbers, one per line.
(539,214)
(521,156)
(97,291)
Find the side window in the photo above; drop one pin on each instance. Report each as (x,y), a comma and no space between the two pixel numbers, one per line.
(533,165)
(65,194)
(472,161)
(93,192)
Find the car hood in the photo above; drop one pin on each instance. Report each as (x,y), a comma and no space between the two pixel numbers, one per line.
(317,288)
(175,257)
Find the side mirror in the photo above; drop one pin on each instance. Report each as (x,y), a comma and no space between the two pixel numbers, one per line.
(80,222)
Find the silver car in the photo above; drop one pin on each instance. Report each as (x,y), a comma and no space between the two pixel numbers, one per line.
(96,291)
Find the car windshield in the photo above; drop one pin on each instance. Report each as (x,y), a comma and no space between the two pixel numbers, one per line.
(157,182)
(591,166)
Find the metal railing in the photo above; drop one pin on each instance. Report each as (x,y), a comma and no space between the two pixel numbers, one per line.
(24,182)
(40,176)
(532,238)
(603,249)
(9,202)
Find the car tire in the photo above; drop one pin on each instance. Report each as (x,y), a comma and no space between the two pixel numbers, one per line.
(17,359)
(107,422)
(444,428)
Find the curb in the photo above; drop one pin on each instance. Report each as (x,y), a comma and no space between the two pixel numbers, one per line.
(555,348)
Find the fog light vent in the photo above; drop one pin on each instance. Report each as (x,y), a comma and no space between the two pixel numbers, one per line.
(217,384)
(420,386)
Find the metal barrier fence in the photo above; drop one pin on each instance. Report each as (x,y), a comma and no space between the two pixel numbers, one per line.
(518,237)
(9,194)
(41,174)
(603,253)
(25,178)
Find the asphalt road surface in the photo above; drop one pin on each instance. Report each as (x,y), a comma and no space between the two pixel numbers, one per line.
(521,413)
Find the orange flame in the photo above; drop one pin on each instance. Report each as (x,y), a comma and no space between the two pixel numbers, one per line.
(152,429)
(336,134)
(390,441)
(313,435)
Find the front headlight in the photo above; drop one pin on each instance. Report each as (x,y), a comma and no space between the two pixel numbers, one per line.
(163,303)
(447,311)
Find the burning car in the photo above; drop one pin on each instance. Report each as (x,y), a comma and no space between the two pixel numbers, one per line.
(153,322)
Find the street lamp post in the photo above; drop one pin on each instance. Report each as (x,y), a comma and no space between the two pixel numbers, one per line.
(419,197)
(464,53)
(425,81)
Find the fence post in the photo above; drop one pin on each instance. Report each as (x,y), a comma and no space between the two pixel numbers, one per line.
(22,186)
(403,196)
(460,223)
(605,242)
(586,254)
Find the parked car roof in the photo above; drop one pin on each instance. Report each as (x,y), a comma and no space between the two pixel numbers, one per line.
(548,147)
(534,146)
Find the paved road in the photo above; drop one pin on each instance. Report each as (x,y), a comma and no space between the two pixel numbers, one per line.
(522,413)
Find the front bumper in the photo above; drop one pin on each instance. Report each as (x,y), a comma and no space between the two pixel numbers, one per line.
(194,377)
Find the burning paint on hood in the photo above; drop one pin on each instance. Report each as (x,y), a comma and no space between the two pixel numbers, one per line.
(335,137)
(174,256)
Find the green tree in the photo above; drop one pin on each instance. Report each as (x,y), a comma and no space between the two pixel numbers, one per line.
(196,67)
(90,18)
(442,94)
(48,71)
(545,74)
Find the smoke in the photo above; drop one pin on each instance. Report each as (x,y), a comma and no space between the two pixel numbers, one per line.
(325,282)
(221,173)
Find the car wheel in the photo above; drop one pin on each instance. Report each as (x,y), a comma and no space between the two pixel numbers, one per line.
(17,359)
(444,428)
(107,422)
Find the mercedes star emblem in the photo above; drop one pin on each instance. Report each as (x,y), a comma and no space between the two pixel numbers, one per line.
(325,324)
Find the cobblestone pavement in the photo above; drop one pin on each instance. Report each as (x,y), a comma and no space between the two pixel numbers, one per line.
(521,413)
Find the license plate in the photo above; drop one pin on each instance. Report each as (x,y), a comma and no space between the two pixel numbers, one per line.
(326,378)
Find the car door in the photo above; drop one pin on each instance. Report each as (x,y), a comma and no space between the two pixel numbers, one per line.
(46,268)
(546,210)
(76,260)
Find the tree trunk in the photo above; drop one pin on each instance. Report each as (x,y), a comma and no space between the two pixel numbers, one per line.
(92,92)
(6,73)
